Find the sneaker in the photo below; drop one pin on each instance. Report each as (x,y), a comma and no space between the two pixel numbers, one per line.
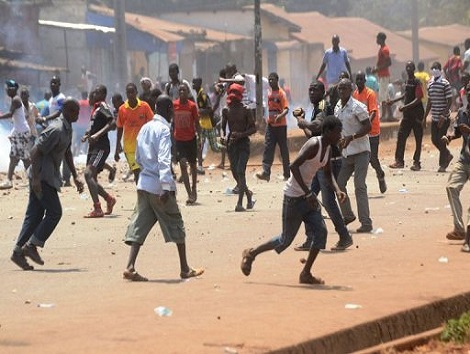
(347,221)
(397,164)
(200,170)
(382,185)
(6,184)
(263,176)
(112,174)
(303,247)
(20,260)
(31,252)
(364,229)
(247,261)
(465,248)
(110,203)
(416,167)
(341,246)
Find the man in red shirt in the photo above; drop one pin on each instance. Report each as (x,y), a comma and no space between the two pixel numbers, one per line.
(452,69)
(367,96)
(382,70)
(276,131)
(186,129)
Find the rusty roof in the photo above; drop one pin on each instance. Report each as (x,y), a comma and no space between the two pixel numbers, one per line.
(24,65)
(450,35)
(170,31)
(277,14)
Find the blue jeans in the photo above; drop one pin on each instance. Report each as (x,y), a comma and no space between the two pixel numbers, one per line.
(239,154)
(42,216)
(276,136)
(328,197)
(294,212)
(357,164)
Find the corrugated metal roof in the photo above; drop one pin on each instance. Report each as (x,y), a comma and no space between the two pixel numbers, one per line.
(19,64)
(278,14)
(170,31)
(77,26)
(450,35)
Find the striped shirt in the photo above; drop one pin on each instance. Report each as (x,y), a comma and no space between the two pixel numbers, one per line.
(439,91)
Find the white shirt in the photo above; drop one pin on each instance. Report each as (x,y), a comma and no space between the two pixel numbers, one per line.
(153,154)
(20,124)
(56,103)
(351,115)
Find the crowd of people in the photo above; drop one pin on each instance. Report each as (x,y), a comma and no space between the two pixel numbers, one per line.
(168,127)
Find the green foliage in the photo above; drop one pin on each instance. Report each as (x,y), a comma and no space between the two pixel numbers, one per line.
(457,331)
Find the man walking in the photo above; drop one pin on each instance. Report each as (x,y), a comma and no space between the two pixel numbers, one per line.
(156,193)
(44,210)
(356,154)
(439,102)
(412,115)
(276,131)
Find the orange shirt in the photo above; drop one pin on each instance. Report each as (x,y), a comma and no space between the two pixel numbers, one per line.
(277,102)
(131,120)
(368,97)
(384,53)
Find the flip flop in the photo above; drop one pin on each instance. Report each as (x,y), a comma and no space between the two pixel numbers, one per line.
(133,276)
(307,278)
(192,273)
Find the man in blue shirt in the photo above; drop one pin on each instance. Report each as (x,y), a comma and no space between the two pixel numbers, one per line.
(335,60)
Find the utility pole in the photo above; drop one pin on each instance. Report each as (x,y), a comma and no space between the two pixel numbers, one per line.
(258,64)
(414,30)
(120,46)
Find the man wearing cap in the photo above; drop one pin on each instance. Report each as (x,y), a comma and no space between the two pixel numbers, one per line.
(20,135)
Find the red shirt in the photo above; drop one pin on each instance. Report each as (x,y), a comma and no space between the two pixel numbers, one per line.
(384,53)
(277,102)
(184,120)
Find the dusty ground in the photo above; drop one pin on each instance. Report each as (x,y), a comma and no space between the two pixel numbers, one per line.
(96,311)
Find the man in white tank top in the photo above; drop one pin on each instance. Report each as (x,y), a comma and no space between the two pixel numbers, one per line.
(300,204)
(20,135)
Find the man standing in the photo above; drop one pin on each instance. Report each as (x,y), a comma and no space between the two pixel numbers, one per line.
(206,121)
(186,131)
(371,80)
(133,114)
(382,70)
(439,102)
(20,136)
(276,131)
(300,204)
(320,111)
(172,87)
(367,97)
(44,210)
(423,77)
(241,125)
(102,121)
(460,173)
(356,154)
(466,56)
(335,60)
(412,114)
(156,193)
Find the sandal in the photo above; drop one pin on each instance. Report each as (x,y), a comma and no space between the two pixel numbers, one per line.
(308,278)
(96,213)
(133,276)
(247,260)
(191,273)
(110,203)
(456,235)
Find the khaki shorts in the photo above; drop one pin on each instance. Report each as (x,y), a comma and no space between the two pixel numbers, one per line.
(130,157)
(383,89)
(148,211)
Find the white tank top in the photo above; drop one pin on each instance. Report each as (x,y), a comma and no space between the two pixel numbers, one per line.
(20,124)
(308,170)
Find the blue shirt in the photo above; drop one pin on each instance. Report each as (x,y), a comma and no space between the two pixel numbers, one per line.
(335,64)
(153,154)
(371,82)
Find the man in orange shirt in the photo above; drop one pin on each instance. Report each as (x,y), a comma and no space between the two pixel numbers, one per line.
(367,96)
(382,70)
(132,115)
(276,131)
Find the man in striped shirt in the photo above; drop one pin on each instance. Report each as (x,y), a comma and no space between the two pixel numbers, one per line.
(439,101)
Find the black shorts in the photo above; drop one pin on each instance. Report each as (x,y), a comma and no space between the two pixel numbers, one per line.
(97,158)
(187,150)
